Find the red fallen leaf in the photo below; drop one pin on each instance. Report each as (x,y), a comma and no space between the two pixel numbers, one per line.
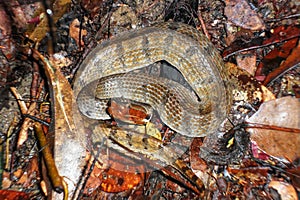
(292,60)
(13,195)
(198,165)
(196,162)
(258,153)
(36,19)
(119,162)
(128,112)
(282,33)
(273,59)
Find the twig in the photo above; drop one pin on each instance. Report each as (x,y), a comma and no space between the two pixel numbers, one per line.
(9,133)
(24,110)
(259,46)
(19,99)
(26,123)
(49,14)
(282,18)
(56,179)
(88,173)
(36,119)
(34,82)
(203,25)
(271,127)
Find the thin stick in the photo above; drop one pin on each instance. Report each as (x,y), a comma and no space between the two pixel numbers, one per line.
(56,179)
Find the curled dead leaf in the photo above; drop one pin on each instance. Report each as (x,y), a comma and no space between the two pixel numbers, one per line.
(285,190)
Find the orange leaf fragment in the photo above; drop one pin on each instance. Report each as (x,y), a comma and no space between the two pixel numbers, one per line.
(128,112)
(10,194)
(75,32)
(113,180)
(255,175)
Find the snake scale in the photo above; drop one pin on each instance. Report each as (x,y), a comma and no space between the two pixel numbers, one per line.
(184,48)
(107,73)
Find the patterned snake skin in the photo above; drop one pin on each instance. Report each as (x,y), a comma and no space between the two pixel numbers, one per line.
(107,73)
(104,74)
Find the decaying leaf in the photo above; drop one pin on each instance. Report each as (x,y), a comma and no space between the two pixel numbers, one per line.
(247,62)
(117,174)
(113,180)
(65,125)
(75,32)
(292,60)
(240,13)
(198,165)
(283,112)
(286,191)
(128,112)
(273,59)
(59,8)
(10,194)
(254,175)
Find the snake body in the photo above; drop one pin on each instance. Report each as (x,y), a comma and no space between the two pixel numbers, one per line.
(183,47)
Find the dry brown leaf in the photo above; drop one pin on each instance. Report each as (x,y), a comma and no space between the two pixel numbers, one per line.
(285,190)
(254,175)
(283,112)
(247,62)
(240,13)
(59,8)
(61,60)
(6,182)
(267,94)
(75,32)
(68,127)
(198,165)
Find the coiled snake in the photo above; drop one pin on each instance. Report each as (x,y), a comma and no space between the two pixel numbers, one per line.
(180,45)
(107,73)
